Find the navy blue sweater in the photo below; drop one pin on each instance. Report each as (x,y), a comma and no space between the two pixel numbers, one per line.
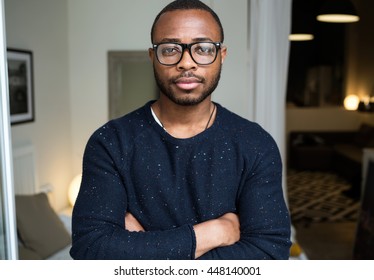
(132,164)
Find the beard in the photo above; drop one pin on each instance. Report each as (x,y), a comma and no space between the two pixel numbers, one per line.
(166,88)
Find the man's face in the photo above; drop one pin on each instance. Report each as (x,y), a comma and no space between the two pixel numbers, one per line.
(187,83)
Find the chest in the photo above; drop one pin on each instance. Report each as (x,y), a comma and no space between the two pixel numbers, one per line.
(183,183)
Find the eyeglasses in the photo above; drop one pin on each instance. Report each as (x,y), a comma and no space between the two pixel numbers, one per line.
(202,53)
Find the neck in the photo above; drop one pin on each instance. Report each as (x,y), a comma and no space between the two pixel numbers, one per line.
(184,121)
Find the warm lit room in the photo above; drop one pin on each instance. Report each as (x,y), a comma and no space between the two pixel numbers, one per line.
(329,128)
(72,65)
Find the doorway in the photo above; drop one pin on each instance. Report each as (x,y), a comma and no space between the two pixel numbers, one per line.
(131,81)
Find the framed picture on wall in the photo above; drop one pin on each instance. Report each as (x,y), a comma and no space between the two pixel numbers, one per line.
(21,88)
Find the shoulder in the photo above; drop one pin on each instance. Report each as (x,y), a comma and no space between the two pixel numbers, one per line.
(243,130)
(123,130)
(254,144)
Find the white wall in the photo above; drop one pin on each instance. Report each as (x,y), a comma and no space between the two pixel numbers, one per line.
(96,26)
(233,88)
(41,26)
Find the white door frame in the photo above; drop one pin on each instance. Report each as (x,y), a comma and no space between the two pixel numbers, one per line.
(8,204)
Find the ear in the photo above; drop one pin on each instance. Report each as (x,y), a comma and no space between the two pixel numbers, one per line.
(223,53)
(151,54)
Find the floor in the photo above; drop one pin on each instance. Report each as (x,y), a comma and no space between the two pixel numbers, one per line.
(327,241)
(324,219)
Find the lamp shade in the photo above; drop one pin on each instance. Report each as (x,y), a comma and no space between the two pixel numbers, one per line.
(301,37)
(351,102)
(338,11)
(303,21)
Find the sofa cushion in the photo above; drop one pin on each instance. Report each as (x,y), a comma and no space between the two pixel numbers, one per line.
(39,228)
(365,136)
(27,254)
(349,151)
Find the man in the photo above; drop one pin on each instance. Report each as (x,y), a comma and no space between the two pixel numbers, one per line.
(182,177)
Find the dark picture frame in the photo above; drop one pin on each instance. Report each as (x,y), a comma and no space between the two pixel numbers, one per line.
(21,85)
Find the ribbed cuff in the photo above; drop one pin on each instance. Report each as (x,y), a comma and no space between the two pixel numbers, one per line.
(193,245)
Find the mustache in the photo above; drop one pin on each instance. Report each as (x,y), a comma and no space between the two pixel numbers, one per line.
(188,75)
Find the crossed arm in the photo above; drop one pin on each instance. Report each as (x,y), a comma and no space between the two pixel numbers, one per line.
(99,231)
(220,232)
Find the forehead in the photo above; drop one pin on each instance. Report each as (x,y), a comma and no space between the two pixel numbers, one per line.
(186,25)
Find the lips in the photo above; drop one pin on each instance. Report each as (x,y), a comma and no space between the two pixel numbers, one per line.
(189,83)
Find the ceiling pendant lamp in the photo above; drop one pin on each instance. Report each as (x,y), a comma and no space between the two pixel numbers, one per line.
(338,11)
(300,37)
(302,22)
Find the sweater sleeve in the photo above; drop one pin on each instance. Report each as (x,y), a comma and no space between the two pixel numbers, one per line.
(98,223)
(264,218)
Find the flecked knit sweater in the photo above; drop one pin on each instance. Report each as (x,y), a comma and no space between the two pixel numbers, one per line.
(132,164)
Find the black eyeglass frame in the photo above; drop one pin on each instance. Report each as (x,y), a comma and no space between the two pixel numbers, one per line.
(218,46)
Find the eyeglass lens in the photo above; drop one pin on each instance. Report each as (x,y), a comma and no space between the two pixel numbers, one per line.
(202,53)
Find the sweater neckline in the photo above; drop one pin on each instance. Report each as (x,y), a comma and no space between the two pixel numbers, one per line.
(199,137)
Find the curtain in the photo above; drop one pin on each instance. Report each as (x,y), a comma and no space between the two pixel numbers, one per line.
(268,48)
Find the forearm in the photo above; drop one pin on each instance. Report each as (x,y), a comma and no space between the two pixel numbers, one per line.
(256,246)
(215,233)
(223,231)
(205,240)
(103,240)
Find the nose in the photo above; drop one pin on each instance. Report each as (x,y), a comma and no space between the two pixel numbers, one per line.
(186,63)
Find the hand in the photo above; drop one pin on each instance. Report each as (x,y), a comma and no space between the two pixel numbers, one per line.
(220,232)
(132,224)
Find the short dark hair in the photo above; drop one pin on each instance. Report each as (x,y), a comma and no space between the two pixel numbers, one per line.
(187,5)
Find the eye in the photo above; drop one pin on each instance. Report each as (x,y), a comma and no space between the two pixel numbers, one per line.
(205,50)
(170,50)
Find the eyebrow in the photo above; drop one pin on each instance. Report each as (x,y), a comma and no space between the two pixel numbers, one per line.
(176,40)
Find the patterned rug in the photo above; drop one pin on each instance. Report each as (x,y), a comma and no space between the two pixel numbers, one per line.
(317,197)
